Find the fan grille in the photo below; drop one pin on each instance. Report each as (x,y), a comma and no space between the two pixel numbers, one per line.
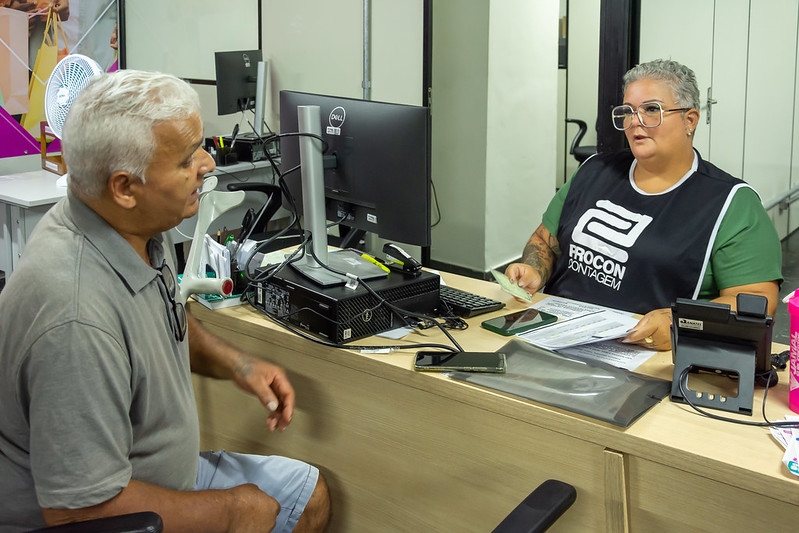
(70,76)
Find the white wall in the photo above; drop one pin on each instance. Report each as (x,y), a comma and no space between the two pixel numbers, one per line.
(317,46)
(494,108)
(521,130)
(181,36)
(459,95)
(312,45)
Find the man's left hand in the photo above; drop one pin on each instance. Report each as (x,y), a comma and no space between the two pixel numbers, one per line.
(270,385)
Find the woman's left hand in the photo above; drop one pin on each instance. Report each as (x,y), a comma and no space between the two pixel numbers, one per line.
(653,331)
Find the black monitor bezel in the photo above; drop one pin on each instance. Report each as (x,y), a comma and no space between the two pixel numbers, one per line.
(236,83)
(403,212)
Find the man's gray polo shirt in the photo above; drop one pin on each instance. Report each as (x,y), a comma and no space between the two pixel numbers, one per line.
(94,388)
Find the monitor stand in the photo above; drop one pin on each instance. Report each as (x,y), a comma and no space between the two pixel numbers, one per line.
(349,261)
(313,207)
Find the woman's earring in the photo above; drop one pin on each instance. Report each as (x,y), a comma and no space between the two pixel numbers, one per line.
(690,133)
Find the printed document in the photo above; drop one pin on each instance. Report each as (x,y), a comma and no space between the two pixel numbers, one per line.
(582,329)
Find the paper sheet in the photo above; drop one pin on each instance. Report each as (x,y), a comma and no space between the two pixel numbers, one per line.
(627,356)
(217,256)
(593,327)
(587,330)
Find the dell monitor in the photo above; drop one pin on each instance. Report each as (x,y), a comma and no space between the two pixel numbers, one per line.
(376,166)
(241,81)
(236,80)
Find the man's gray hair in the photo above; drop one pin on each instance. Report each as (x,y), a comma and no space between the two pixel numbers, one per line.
(109,126)
(680,79)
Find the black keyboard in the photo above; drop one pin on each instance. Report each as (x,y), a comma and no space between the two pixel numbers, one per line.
(466,304)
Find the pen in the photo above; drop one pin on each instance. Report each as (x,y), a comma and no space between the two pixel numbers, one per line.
(233,136)
(375,262)
(221,142)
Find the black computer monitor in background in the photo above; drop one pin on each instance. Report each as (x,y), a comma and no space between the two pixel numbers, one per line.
(236,80)
(242,83)
(376,167)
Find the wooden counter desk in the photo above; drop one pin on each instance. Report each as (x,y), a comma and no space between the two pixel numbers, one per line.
(412,451)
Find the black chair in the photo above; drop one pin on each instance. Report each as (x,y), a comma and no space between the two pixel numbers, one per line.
(254,225)
(145,522)
(540,509)
(580,153)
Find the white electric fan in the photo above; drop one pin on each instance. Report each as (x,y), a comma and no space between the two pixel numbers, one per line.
(69,77)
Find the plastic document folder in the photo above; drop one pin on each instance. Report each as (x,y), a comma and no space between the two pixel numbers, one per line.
(583,386)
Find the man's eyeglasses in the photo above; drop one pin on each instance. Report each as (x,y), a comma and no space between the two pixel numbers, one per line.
(174,309)
(650,115)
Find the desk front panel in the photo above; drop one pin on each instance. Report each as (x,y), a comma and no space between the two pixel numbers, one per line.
(666,499)
(393,441)
(399,457)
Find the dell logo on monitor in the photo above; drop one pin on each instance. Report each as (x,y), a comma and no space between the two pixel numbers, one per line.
(336,120)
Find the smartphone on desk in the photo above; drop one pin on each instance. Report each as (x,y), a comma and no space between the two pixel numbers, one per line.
(432,361)
(519,321)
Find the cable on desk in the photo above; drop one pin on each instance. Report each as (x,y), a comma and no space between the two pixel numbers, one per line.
(280,320)
(401,313)
(767,423)
(305,335)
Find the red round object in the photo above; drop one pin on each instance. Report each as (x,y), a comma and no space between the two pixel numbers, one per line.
(227,287)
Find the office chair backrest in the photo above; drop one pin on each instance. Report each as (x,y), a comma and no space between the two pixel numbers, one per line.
(580,153)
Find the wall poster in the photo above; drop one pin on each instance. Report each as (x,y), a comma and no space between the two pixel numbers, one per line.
(34,36)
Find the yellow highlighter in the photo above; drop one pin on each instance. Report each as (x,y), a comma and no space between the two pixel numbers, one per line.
(375,262)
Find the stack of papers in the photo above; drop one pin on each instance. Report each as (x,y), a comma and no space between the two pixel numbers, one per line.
(587,330)
(217,256)
(578,323)
(789,439)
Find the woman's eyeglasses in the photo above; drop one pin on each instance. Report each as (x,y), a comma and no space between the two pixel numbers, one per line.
(174,309)
(650,115)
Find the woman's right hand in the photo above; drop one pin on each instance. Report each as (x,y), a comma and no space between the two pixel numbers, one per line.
(538,260)
(525,276)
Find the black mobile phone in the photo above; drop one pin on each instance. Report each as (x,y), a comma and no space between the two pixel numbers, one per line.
(459,361)
(519,321)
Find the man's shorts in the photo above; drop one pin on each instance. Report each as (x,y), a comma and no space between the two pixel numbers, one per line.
(289,481)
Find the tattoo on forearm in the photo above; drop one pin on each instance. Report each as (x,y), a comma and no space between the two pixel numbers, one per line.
(554,245)
(538,256)
(244,366)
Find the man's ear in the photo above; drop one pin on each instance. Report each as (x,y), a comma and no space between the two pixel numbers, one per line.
(124,187)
